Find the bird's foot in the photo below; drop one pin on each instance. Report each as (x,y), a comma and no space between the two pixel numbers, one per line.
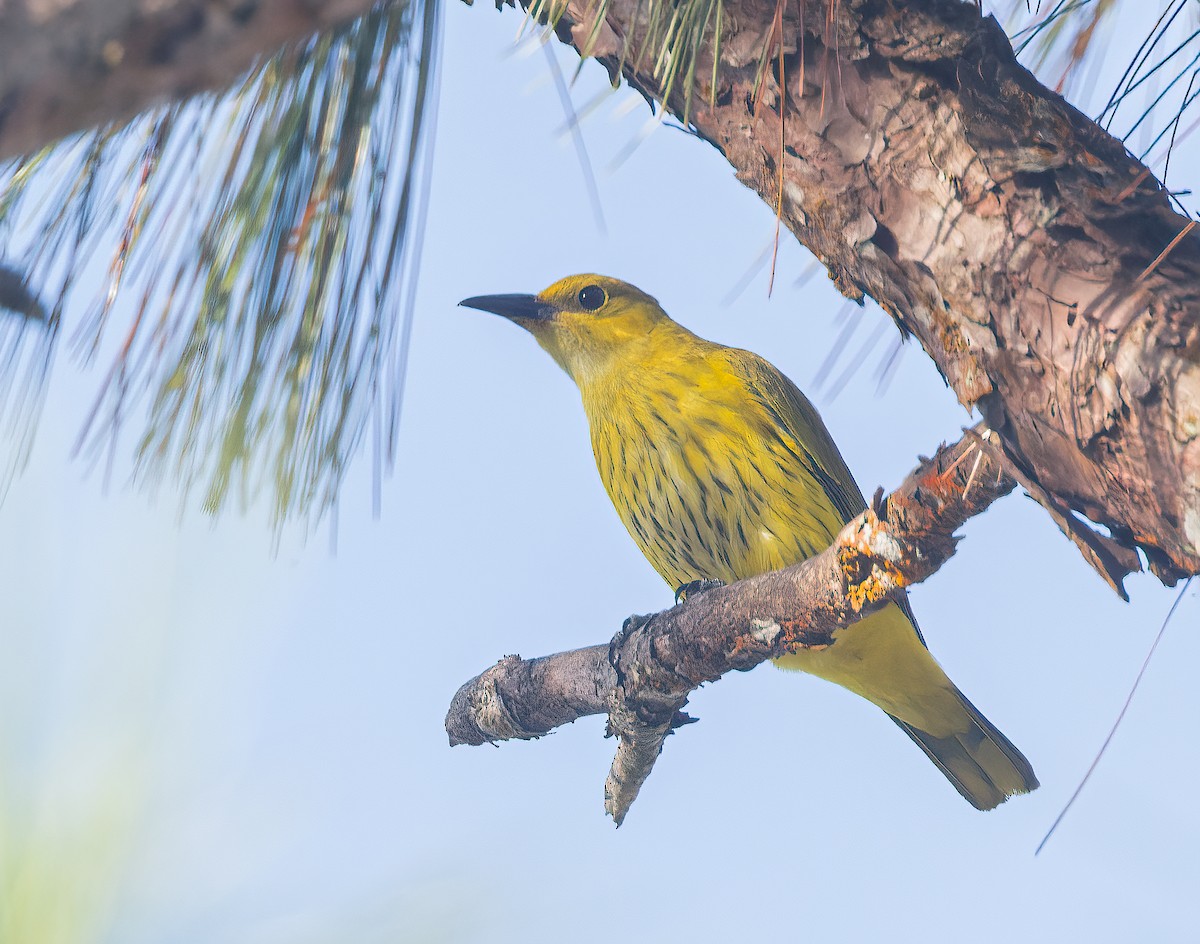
(695,587)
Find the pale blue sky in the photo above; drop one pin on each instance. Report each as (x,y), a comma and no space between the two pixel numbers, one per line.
(265,731)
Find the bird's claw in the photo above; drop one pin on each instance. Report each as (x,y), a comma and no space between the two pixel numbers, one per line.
(695,587)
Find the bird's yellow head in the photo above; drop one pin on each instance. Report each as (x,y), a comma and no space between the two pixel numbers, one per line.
(588,323)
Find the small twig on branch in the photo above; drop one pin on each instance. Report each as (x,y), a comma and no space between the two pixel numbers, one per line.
(643,677)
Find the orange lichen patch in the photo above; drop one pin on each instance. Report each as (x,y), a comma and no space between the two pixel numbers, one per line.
(869,577)
(864,592)
(952,339)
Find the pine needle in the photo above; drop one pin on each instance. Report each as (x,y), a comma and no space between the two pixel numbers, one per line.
(265,245)
(1120,716)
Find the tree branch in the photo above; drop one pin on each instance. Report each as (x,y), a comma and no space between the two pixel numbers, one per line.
(69,66)
(643,677)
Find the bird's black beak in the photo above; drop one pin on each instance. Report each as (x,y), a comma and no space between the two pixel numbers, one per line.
(513,307)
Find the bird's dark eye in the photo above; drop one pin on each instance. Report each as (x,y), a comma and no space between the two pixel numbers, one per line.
(592,297)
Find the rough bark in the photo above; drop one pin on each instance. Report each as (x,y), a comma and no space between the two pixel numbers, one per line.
(643,677)
(67,65)
(1019,242)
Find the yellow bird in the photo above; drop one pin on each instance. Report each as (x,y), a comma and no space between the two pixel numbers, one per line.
(721,469)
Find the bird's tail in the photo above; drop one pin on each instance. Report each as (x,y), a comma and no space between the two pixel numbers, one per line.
(982,763)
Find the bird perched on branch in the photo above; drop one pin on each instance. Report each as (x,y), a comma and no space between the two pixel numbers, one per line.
(721,469)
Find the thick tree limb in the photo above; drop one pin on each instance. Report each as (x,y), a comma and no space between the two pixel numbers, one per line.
(643,678)
(1039,264)
(67,65)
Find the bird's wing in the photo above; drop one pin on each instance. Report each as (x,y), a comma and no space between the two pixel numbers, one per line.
(799,420)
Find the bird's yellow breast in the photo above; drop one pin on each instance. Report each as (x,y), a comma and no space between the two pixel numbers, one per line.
(708,482)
